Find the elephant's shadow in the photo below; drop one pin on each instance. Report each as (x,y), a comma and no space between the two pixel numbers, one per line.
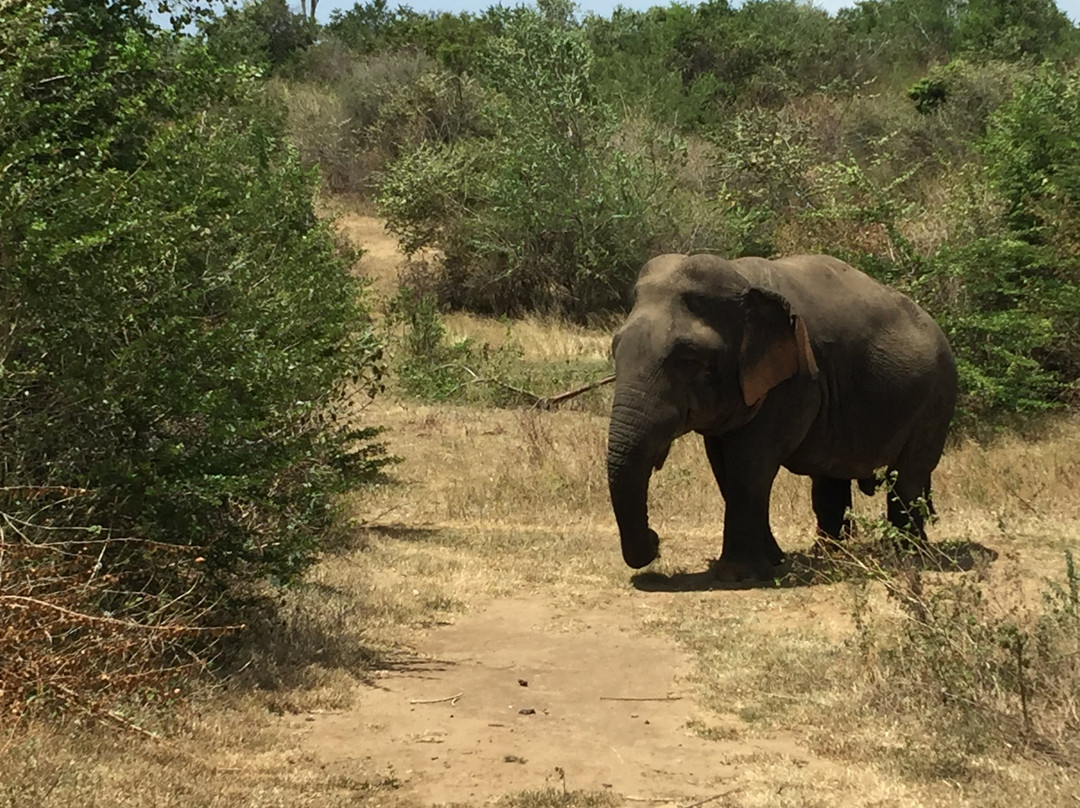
(832,564)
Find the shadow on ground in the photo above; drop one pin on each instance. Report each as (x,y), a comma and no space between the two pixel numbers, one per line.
(828,564)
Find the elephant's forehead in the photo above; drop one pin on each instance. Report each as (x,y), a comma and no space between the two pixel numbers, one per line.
(667,277)
(690,273)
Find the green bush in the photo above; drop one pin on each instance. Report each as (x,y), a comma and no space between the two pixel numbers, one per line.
(543,214)
(1033,153)
(1014,292)
(990,300)
(263,33)
(350,116)
(180,327)
(928,94)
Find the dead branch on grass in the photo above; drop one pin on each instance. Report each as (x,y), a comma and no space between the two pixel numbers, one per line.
(539,402)
(551,401)
(697,804)
(82,628)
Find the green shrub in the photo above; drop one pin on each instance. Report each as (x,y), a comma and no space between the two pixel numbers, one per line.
(541,215)
(928,94)
(180,326)
(428,366)
(989,298)
(1033,152)
(350,116)
(263,33)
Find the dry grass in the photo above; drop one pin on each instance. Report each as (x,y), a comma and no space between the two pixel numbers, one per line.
(230,756)
(493,502)
(540,339)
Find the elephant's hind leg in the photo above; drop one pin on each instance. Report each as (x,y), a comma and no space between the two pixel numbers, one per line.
(909,503)
(908,484)
(831,497)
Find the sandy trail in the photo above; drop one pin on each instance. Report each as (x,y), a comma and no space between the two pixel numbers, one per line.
(545,695)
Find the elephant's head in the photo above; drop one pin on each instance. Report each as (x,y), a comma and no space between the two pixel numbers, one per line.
(700,350)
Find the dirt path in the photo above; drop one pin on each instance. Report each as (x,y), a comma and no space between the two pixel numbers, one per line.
(548,668)
(534,691)
(543,694)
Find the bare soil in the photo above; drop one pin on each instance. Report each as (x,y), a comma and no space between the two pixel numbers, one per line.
(522,694)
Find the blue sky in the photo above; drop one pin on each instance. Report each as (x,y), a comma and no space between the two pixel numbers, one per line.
(604,7)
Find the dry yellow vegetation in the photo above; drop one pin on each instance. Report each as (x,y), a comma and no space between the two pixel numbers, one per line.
(493,557)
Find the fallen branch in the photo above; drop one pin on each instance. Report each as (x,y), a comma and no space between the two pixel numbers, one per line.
(452,699)
(75,700)
(675,800)
(546,403)
(640,698)
(539,402)
(727,793)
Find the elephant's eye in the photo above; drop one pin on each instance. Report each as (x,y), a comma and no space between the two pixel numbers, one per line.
(689,358)
(698,304)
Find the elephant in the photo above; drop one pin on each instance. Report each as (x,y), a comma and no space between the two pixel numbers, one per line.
(803,362)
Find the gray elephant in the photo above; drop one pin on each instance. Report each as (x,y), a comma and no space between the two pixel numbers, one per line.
(802,362)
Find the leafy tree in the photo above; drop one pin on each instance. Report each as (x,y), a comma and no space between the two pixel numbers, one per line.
(917,32)
(688,60)
(1014,29)
(372,27)
(455,41)
(635,64)
(899,35)
(1033,152)
(265,33)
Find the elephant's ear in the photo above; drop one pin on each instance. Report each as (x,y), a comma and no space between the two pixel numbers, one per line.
(775,345)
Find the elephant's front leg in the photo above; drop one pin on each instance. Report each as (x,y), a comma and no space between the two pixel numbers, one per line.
(750,551)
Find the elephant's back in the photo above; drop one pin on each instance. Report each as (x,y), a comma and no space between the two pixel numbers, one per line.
(887,367)
(840,303)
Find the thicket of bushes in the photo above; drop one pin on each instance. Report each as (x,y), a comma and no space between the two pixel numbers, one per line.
(178,331)
(546,155)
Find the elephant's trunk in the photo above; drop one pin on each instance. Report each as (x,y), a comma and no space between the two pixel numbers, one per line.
(638,440)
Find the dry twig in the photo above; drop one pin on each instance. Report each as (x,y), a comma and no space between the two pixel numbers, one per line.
(546,403)
(452,699)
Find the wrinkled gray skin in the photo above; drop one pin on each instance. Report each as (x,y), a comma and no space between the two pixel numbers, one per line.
(802,362)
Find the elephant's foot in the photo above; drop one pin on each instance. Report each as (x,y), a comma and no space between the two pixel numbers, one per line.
(642,553)
(732,570)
